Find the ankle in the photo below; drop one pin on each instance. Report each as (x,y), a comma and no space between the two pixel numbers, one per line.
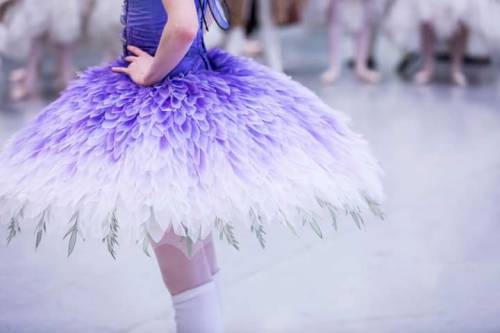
(198,310)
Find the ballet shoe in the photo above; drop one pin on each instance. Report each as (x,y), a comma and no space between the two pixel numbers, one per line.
(330,76)
(368,75)
(21,91)
(18,75)
(252,48)
(423,77)
(459,78)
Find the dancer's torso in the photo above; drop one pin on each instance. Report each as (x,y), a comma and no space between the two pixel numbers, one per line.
(144,21)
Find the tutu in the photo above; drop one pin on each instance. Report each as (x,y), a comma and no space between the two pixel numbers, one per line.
(485,23)
(350,13)
(445,15)
(406,16)
(104,26)
(221,141)
(60,20)
(352,16)
(13,27)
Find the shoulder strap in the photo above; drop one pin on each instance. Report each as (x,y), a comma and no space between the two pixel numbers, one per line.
(219,10)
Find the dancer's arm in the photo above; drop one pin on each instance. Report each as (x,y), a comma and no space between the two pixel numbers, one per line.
(177,37)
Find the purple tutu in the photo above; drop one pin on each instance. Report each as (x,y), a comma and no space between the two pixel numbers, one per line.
(234,144)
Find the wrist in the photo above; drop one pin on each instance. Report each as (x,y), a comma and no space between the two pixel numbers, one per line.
(151,77)
(157,71)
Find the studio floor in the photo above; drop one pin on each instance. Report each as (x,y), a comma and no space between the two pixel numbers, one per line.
(432,266)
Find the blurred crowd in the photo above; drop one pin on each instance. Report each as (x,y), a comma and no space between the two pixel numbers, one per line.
(425,32)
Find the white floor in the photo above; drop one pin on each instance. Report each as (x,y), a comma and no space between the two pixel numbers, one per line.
(432,266)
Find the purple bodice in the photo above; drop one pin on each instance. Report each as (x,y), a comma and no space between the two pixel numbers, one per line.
(144,21)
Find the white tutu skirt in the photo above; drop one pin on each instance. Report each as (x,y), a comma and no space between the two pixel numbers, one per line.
(350,13)
(60,20)
(14,31)
(403,23)
(444,15)
(485,22)
(104,26)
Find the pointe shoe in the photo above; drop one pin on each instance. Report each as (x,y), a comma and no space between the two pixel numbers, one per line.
(368,75)
(330,76)
(21,91)
(18,75)
(459,78)
(423,77)
(252,48)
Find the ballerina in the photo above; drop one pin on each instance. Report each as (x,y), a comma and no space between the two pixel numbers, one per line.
(173,142)
(433,22)
(58,21)
(443,19)
(363,32)
(237,41)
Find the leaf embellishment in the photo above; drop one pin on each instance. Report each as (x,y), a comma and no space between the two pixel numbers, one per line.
(146,243)
(288,224)
(73,234)
(260,233)
(111,238)
(226,230)
(358,219)
(316,228)
(189,242)
(331,209)
(375,208)
(14,228)
(189,245)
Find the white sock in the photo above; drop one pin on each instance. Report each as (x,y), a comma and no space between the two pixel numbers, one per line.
(198,310)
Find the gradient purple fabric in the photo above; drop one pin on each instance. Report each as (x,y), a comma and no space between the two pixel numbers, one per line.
(221,142)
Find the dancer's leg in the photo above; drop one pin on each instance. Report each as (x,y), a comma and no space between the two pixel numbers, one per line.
(428,44)
(269,36)
(210,254)
(458,49)
(364,38)
(332,73)
(65,70)
(236,36)
(24,80)
(190,282)
(179,272)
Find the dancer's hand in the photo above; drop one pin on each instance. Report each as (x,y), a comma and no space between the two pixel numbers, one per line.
(139,68)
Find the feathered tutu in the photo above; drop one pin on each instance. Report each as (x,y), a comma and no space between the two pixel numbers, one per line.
(209,148)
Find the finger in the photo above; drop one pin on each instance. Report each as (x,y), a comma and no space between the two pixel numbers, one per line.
(131,58)
(123,70)
(135,50)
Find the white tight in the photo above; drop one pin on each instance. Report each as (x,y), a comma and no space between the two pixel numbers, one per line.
(182,271)
(362,37)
